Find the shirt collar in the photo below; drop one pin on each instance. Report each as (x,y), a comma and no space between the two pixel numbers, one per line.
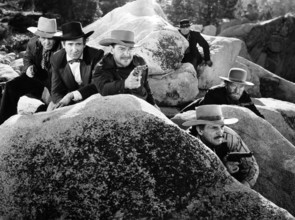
(68,58)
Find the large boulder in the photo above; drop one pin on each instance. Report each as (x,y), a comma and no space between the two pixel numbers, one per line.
(273,152)
(275,156)
(7,73)
(116,156)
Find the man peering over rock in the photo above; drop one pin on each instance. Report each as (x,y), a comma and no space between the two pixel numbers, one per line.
(208,126)
(192,54)
(231,92)
(37,74)
(72,66)
(121,71)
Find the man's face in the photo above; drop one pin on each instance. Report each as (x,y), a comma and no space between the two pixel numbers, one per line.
(212,134)
(122,55)
(47,43)
(74,48)
(184,30)
(234,90)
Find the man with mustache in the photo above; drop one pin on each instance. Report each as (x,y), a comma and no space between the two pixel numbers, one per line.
(37,74)
(120,71)
(231,92)
(72,66)
(208,125)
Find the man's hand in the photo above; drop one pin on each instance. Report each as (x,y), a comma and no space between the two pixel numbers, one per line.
(232,167)
(30,71)
(132,82)
(65,100)
(209,63)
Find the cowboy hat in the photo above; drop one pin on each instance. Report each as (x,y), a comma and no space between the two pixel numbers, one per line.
(46,28)
(237,75)
(122,37)
(71,31)
(209,114)
(184,23)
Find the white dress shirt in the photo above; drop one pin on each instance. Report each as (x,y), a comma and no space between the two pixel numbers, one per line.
(75,68)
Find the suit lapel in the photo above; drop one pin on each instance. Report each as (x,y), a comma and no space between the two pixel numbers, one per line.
(85,68)
(67,76)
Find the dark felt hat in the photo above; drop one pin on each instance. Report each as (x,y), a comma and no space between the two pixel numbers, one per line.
(184,23)
(72,30)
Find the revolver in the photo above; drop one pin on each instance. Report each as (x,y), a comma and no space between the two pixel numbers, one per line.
(138,69)
(237,156)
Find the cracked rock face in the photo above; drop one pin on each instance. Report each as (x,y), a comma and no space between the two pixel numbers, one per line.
(116,154)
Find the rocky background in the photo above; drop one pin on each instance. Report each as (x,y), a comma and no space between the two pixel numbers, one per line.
(96,158)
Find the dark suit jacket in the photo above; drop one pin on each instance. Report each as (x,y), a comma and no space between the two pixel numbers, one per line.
(33,56)
(194,39)
(63,80)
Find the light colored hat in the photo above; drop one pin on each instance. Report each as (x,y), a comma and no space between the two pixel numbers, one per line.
(237,75)
(209,114)
(122,37)
(46,28)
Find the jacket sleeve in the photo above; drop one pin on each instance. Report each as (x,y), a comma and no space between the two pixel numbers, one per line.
(204,44)
(29,56)
(247,102)
(91,89)
(249,167)
(58,88)
(106,84)
(213,97)
(150,99)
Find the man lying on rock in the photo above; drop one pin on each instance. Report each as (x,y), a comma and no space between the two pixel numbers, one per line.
(72,66)
(36,65)
(231,92)
(208,126)
(120,71)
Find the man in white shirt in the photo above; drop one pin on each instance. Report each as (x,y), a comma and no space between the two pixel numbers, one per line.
(72,66)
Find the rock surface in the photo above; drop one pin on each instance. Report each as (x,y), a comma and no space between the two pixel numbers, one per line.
(148,167)
(273,152)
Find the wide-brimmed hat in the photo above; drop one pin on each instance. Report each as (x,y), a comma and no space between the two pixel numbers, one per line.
(122,37)
(237,75)
(184,23)
(46,28)
(209,114)
(71,31)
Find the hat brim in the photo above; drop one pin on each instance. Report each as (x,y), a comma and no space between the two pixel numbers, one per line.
(227,121)
(179,26)
(110,41)
(59,36)
(35,31)
(241,82)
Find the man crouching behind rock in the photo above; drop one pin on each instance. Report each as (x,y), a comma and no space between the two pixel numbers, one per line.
(120,71)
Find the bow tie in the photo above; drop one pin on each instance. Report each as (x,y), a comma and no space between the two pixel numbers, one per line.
(74,61)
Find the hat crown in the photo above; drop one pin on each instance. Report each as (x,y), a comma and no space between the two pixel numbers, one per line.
(73,29)
(47,25)
(184,23)
(123,35)
(209,113)
(237,75)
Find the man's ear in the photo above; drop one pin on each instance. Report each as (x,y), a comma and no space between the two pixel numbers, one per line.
(112,49)
(199,130)
(63,44)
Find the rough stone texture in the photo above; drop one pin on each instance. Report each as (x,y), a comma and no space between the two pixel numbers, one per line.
(270,44)
(7,73)
(175,88)
(223,54)
(147,167)
(210,30)
(280,114)
(273,152)
(271,85)
(275,156)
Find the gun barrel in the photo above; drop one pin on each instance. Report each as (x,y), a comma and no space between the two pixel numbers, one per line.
(237,156)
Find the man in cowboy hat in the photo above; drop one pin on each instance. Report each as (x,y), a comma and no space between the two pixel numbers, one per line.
(118,71)
(72,66)
(208,126)
(231,92)
(37,74)
(192,54)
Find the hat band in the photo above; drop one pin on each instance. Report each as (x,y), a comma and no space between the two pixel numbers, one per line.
(46,32)
(234,79)
(128,42)
(210,118)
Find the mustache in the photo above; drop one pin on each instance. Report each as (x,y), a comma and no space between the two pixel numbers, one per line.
(123,57)
(217,137)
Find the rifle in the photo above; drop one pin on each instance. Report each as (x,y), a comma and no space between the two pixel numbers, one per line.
(138,69)
(237,156)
